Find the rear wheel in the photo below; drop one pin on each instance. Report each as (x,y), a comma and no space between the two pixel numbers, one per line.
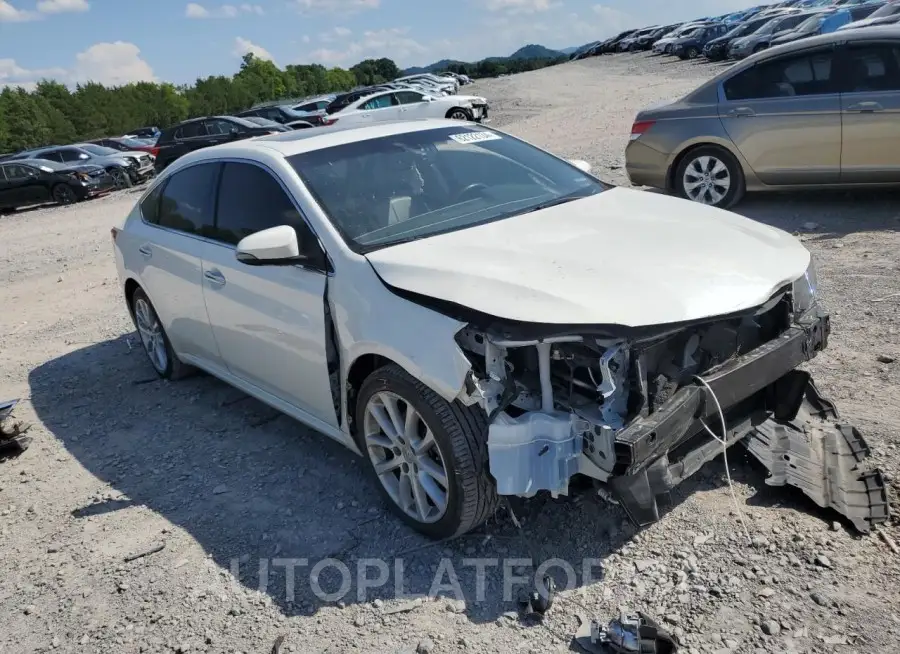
(63,194)
(691,53)
(154,339)
(710,175)
(428,456)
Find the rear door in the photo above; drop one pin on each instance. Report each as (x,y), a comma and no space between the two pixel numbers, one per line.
(190,137)
(164,251)
(784,115)
(8,191)
(869,74)
(26,185)
(269,321)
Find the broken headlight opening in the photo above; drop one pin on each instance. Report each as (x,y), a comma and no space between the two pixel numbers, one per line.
(627,411)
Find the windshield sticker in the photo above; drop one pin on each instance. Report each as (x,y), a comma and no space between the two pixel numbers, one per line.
(475,137)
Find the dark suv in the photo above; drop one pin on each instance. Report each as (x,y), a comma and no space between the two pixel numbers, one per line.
(204,132)
(281,114)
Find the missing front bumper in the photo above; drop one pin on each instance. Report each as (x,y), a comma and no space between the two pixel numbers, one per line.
(777,412)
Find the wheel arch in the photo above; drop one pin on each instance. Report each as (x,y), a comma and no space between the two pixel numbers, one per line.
(456,108)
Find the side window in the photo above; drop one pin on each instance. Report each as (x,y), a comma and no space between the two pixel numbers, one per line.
(871,68)
(150,204)
(218,127)
(380,102)
(251,200)
(809,74)
(408,97)
(73,155)
(274,114)
(188,130)
(186,203)
(18,171)
(52,155)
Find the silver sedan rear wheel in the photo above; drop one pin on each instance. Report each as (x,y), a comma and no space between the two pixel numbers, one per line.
(706,180)
(406,457)
(151,335)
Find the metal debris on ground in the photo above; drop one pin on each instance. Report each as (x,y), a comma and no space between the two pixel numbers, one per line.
(630,633)
(12,434)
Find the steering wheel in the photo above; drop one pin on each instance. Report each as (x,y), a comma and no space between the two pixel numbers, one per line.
(471,188)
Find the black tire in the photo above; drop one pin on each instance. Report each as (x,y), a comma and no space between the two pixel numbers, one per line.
(121,177)
(691,53)
(461,436)
(736,174)
(63,194)
(174,368)
(459,113)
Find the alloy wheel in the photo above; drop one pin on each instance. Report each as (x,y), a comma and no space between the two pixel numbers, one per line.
(151,335)
(406,457)
(120,178)
(706,180)
(62,194)
(459,115)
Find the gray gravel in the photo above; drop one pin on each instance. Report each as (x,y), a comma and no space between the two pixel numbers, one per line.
(122,463)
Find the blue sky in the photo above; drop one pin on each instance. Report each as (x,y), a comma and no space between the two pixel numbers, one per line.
(119,41)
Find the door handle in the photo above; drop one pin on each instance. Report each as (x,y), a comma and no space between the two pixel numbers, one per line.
(145,250)
(865,107)
(742,112)
(214,277)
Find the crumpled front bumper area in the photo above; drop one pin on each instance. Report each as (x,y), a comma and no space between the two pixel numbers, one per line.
(776,412)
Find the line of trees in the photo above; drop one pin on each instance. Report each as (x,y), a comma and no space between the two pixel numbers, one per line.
(54,114)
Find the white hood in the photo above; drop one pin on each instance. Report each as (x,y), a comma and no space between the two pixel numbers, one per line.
(622,257)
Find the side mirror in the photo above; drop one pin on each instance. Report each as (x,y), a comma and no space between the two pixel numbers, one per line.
(581,165)
(273,246)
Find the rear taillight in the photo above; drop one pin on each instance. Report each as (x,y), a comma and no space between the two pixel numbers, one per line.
(639,127)
(154,152)
(328,122)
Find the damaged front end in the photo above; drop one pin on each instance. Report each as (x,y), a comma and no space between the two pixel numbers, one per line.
(633,408)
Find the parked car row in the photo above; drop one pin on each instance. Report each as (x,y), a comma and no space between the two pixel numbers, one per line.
(740,34)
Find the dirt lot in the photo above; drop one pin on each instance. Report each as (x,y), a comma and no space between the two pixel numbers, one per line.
(122,463)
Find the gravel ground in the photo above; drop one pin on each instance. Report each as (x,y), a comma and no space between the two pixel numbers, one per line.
(123,463)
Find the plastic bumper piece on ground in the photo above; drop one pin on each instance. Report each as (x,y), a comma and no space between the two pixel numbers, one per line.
(779,414)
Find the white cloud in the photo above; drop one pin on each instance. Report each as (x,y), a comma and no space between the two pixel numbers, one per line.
(62,6)
(520,6)
(393,43)
(10,14)
(334,34)
(336,6)
(112,64)
(243,46)
(194,10)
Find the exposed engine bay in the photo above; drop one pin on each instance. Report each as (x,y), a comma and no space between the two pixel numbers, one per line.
(636,411)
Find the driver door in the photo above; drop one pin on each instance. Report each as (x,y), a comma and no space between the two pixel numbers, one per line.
(413,105)
(268,320)
(381,107)
(22,186)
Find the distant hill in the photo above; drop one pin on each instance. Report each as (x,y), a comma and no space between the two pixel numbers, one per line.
(569,51)
(531,51)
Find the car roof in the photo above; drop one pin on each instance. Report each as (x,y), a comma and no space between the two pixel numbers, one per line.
(288,144)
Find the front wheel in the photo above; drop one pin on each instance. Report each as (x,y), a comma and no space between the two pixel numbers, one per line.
(458,113)
(120,178)
(428,456)
(710,175)
(63,194)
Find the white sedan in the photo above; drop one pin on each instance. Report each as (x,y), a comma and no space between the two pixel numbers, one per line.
(478,317)
(410,105)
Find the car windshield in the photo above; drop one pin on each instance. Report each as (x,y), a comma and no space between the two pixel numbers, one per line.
(770,27)
(388,190)
(886,10)
(693,33)
(98,150)
(259,120)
